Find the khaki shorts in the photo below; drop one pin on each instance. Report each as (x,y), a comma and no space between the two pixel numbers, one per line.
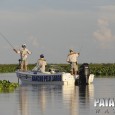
(74,66)
(24,62)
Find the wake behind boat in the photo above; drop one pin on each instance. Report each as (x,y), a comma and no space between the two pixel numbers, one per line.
(36,77)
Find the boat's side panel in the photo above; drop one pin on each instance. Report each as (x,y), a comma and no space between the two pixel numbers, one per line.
(67,77)
(41,79)
(46,83)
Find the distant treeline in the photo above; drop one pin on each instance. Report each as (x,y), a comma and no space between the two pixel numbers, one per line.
(96,69)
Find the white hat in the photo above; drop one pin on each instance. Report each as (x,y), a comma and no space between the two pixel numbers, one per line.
(23,45)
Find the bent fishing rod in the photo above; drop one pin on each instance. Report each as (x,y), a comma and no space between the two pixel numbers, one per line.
(6,40)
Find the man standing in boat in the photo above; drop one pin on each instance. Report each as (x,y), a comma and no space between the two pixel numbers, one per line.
(23,55)
(72,59)
(41,63)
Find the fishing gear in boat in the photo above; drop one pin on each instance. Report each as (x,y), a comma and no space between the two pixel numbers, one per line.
(19,64)
(6,40)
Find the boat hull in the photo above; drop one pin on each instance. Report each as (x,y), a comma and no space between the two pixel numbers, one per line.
(45,78)
(31,77)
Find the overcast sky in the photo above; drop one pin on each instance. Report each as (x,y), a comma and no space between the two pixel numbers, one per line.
(52,27)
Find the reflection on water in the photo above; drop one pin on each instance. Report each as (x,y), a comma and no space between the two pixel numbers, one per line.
(51,99)
(86,93)
(54,99)
(86,96)
(71,97)
(23,99)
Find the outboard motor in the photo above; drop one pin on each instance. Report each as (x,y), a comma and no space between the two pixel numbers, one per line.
(84,73)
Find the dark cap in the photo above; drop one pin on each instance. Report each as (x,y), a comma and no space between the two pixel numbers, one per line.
(41,56)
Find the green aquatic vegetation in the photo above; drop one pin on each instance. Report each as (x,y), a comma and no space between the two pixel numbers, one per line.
(8,68)
(102,69)
(7,86)
(96,69)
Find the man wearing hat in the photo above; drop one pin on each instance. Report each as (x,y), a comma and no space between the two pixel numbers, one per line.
(23,55)
(41,63)
(72,59)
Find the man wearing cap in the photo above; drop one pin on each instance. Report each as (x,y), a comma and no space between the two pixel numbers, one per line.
(41,63)
(72,59)
(23,55)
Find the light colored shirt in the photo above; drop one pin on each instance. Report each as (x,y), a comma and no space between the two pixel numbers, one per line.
(72,57)
(42,63)
(24,53)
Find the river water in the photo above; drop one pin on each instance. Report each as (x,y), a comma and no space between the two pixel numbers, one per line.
(57,99)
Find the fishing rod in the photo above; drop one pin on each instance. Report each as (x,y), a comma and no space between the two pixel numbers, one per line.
(6,40)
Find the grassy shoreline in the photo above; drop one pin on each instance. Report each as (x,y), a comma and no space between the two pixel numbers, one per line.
(96,69)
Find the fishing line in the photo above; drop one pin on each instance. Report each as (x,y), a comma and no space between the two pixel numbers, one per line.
(6,40)
(80,49)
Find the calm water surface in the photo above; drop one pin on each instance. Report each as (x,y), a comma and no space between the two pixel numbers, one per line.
(56,99)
